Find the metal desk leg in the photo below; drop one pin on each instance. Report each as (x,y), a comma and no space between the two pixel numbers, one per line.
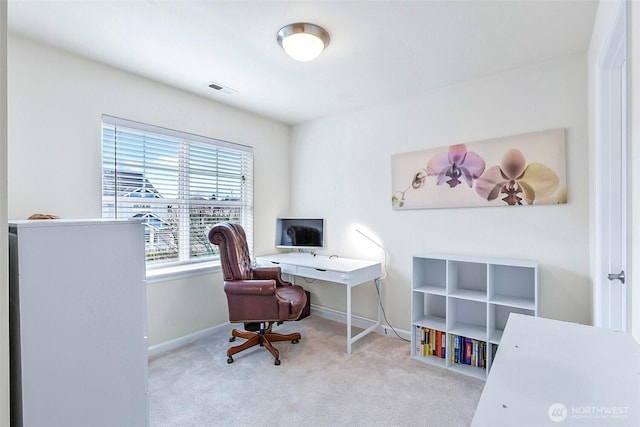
(372,328)
(348,320)
(378,284)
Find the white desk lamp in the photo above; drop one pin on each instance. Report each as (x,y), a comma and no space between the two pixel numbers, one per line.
(384,252)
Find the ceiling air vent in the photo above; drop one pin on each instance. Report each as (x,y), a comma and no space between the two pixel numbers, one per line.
(222,89)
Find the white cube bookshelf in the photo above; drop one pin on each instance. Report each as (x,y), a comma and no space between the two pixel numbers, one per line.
(466,302)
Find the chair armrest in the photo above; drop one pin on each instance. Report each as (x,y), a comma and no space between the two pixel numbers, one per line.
(274,273)
(250,287)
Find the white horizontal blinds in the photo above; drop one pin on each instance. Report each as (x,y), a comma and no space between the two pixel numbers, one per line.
(179,184)
(215,192)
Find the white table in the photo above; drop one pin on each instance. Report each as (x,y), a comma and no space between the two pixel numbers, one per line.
(553,373)
(345,271)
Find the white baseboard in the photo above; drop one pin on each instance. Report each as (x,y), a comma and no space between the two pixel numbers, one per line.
(357,321)
(165,347)
(326,313)
(388,330)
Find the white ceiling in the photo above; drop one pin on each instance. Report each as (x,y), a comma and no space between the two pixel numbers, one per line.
(379,50)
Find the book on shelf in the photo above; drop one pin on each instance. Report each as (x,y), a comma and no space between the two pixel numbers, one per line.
(427,341)
(468,351)
(432,342)
(474,353)
(455,350)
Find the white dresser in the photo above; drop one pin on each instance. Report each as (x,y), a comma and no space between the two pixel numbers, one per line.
(77,323)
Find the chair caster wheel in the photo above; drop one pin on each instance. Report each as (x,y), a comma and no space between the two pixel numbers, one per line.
(295,341)
(230,359)
(277,362)
(232,339)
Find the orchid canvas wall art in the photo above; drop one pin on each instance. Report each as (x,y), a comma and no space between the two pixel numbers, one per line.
(527,169)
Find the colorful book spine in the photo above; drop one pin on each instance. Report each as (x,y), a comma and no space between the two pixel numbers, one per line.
(468,351)
(474,353)
(425,335)
(430,342)
(455,350)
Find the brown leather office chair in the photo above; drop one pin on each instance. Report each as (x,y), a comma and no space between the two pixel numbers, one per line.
(257,297)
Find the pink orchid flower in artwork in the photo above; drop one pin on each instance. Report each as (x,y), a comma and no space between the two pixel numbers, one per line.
(517,180)
(455,164)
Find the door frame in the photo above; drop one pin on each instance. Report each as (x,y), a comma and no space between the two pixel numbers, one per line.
(611,72)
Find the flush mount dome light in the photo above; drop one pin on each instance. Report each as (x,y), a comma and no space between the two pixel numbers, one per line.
(303,41)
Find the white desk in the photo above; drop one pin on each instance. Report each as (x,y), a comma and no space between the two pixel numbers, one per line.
(345,271)
(550,373)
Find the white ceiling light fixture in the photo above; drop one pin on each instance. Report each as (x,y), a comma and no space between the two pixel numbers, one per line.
(303,41)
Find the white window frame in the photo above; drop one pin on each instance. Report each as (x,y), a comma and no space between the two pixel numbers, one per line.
(114,205)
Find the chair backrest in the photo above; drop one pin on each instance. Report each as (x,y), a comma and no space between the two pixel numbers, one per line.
(234,250)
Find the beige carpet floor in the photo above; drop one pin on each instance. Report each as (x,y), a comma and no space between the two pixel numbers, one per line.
(317,384)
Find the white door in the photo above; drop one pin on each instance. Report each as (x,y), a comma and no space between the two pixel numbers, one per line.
(611,289)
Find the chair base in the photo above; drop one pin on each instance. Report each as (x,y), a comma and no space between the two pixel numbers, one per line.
(263,337)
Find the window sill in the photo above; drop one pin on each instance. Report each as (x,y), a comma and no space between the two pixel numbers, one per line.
(181,271)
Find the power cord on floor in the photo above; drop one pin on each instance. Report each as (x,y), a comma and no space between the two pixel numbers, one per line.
(384,276)
(384,314)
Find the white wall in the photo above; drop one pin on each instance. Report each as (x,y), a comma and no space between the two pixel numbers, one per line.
(342,171)
(55,105)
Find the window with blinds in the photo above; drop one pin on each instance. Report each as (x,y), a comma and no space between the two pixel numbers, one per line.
(178,184)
